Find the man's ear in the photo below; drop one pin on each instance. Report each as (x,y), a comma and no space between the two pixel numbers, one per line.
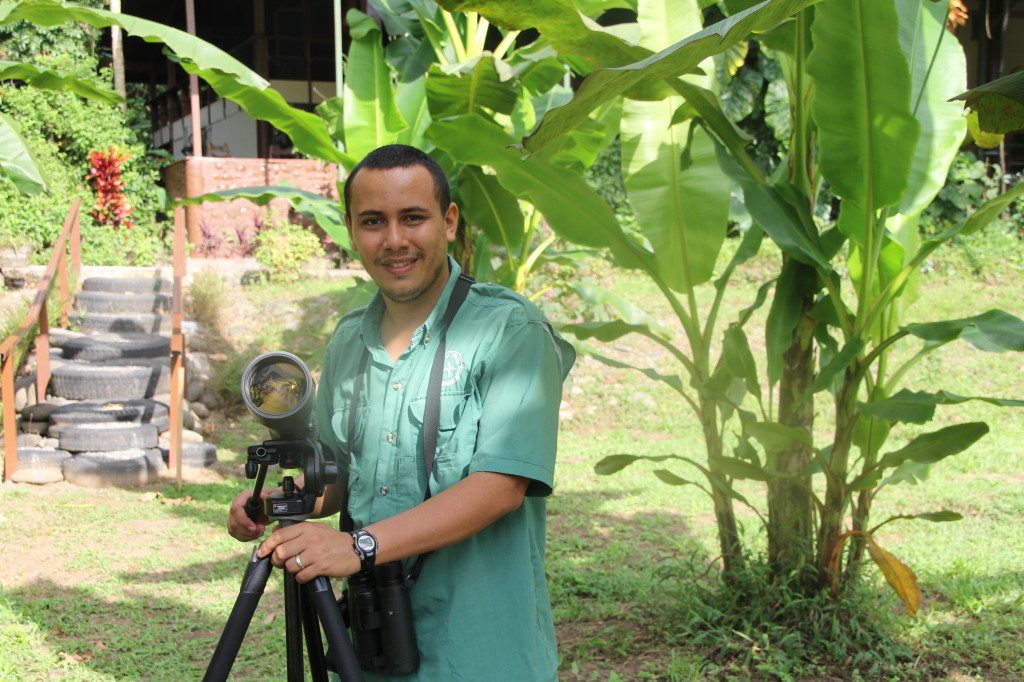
(451,221)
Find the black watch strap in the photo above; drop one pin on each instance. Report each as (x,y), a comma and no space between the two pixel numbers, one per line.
(365,545)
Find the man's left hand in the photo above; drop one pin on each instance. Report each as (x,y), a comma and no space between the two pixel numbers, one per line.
(311,549)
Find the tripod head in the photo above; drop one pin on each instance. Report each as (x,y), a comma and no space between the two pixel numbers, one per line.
(279,391)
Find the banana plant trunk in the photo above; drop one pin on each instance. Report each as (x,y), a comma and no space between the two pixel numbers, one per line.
(790,503)
(729,540)
(837,494)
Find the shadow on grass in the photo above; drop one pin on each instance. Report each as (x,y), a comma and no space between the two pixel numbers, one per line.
(609,575)
(138,635)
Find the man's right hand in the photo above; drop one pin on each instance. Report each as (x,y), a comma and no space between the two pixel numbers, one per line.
(240,526)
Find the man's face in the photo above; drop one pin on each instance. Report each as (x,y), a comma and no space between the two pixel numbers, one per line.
(400,231)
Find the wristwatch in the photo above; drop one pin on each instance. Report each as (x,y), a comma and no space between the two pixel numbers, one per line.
(365,545)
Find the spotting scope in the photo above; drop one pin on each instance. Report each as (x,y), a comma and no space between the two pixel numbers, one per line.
(279,391)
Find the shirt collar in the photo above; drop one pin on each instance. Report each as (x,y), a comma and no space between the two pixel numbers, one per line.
(425,332)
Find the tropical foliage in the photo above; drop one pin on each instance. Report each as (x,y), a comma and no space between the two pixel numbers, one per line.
(999,104)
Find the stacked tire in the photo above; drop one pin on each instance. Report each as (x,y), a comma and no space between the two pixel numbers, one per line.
(110,443)
(108,304)
(105,423)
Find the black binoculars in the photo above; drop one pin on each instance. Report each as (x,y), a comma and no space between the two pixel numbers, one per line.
(377,610)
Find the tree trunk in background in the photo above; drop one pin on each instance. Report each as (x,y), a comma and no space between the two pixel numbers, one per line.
(117,58)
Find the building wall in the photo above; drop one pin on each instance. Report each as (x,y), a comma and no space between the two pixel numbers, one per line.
(215,228)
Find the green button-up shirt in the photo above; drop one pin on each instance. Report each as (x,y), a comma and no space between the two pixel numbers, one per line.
(481,606)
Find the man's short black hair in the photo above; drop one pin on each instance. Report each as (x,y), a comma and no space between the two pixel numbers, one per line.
(401,156)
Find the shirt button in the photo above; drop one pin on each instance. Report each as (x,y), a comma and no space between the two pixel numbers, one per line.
(397,385)
(426,339)
(384,490)
(391,438)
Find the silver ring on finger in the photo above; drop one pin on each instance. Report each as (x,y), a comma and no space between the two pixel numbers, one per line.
(298,561)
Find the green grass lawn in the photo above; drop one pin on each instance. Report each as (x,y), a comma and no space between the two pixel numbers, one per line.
(137,584)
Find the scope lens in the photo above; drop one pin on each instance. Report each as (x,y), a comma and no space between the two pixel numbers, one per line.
(277,387)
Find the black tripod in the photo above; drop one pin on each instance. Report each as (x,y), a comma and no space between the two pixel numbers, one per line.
(303,604)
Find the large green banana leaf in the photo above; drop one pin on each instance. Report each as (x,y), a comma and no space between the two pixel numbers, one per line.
(47,79)
(371,115)
(938,70)
(16,161)
(411,97)
(566,29)
(473,89)
(568,203)
(678,193)
(606,83)
(682,209)
(491,207)
(867,133)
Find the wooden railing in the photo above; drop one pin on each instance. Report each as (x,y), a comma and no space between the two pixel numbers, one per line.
(68,244)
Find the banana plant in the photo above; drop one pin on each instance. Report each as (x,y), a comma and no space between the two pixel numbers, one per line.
(869,81)
(681,200)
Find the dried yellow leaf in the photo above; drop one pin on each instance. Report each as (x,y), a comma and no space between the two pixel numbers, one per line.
(897,574)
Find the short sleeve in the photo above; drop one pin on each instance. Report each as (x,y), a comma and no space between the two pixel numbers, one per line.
(521,391)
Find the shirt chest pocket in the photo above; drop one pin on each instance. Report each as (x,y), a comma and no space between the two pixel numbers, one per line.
(456,437)
(348,427)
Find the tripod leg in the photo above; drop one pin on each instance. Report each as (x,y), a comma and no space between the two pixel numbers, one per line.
(293,629)
(341,652)
(314,645)
(253,583)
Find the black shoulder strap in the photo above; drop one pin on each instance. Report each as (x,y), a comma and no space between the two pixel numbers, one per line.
(432,410)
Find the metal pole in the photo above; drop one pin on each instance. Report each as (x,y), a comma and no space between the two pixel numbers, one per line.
(339,57)
(193,86)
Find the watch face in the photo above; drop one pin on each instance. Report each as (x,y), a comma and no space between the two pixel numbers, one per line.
(366,543)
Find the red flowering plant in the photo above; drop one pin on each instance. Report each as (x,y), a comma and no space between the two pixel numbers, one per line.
(112,207)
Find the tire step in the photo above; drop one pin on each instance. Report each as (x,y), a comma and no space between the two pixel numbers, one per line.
(104,302)
(101,381)
(136,285)
(114,346)
(122,323)
(108,436)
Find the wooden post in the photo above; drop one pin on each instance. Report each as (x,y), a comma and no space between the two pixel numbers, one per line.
(177,347)
(117,56)
(10,417)
(43,353)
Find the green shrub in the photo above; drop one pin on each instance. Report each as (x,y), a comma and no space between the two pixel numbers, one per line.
(969,183)
(61,130)
(285,250)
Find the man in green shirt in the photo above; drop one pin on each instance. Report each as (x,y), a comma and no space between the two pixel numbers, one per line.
(480,605)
